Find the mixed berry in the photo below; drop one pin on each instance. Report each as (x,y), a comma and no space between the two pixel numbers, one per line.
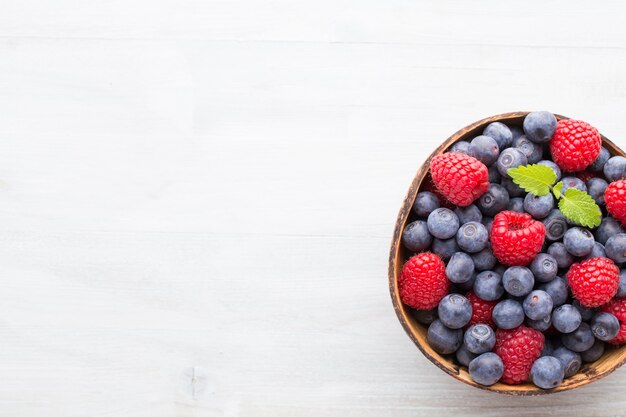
(519,251)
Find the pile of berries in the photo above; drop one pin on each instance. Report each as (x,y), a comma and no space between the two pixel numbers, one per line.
(507,282)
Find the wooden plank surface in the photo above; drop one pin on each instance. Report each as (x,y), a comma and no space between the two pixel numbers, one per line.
(197,197)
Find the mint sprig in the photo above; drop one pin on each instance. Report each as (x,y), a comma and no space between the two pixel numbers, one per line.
(579,207)
(536,179)
(576,205)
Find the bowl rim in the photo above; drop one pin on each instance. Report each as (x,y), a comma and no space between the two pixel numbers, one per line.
(399,308)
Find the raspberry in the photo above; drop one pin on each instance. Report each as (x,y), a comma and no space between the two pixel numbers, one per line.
(615,198)
(586,175)
(594,281)
(423,282)
(516,238)
(459,177)
(575,145)
(617,307)
(518,348)
(481,310)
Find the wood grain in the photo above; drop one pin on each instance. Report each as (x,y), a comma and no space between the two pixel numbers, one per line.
(609,362)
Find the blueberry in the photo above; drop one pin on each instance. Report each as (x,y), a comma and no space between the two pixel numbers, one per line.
(597,251)
(500,133)
(487,222)
(513,189)
(425,203)
(594,352)
(464,356)
(538,206)
(488,286)
(472,237)
(573,182)
(555,340)
(485,149)
(615,168)
(596,188)
(542,324)
(544,267)
(515,298)
(484,260)
(443,339)
(537,305)
(554,167)
(615,248)
(556,225)
(558,290)
(460,147)
(508,314)
(415,236)
(494,174)
(424,316)
(443,223)
(547,372)
(621,291)
(499,269)
(532,151)
(495,199)
(604,326)
(486,369)
(518,281)
(454,311)
(571,361)
(460,268)
(579,340)
(548,348)
(586,313)
(510,158)
(608,227)
(578,241)
(563,258)
(516,204)
(539,126)
(516,132)
(467,285)
(468,214)
(445,248)
(598,164)
(566,318)
(479,338)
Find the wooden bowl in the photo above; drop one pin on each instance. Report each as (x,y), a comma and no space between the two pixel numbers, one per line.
(612,359)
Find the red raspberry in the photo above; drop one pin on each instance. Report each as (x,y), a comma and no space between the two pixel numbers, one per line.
(615,198)
(459,177)
(518,348)
(481,310)
(594,281)
(617,307)
(423,281)
(575,145)
(586,175)
(516,238)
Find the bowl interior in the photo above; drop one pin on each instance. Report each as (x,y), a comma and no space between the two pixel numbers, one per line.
(612,358)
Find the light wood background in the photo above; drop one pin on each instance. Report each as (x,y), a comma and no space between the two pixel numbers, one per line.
(197,197)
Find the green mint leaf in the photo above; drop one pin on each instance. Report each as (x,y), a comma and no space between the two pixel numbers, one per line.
(535,178)
(556,190)
(579,207)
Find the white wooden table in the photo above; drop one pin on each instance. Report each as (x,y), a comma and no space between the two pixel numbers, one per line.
(197,197)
